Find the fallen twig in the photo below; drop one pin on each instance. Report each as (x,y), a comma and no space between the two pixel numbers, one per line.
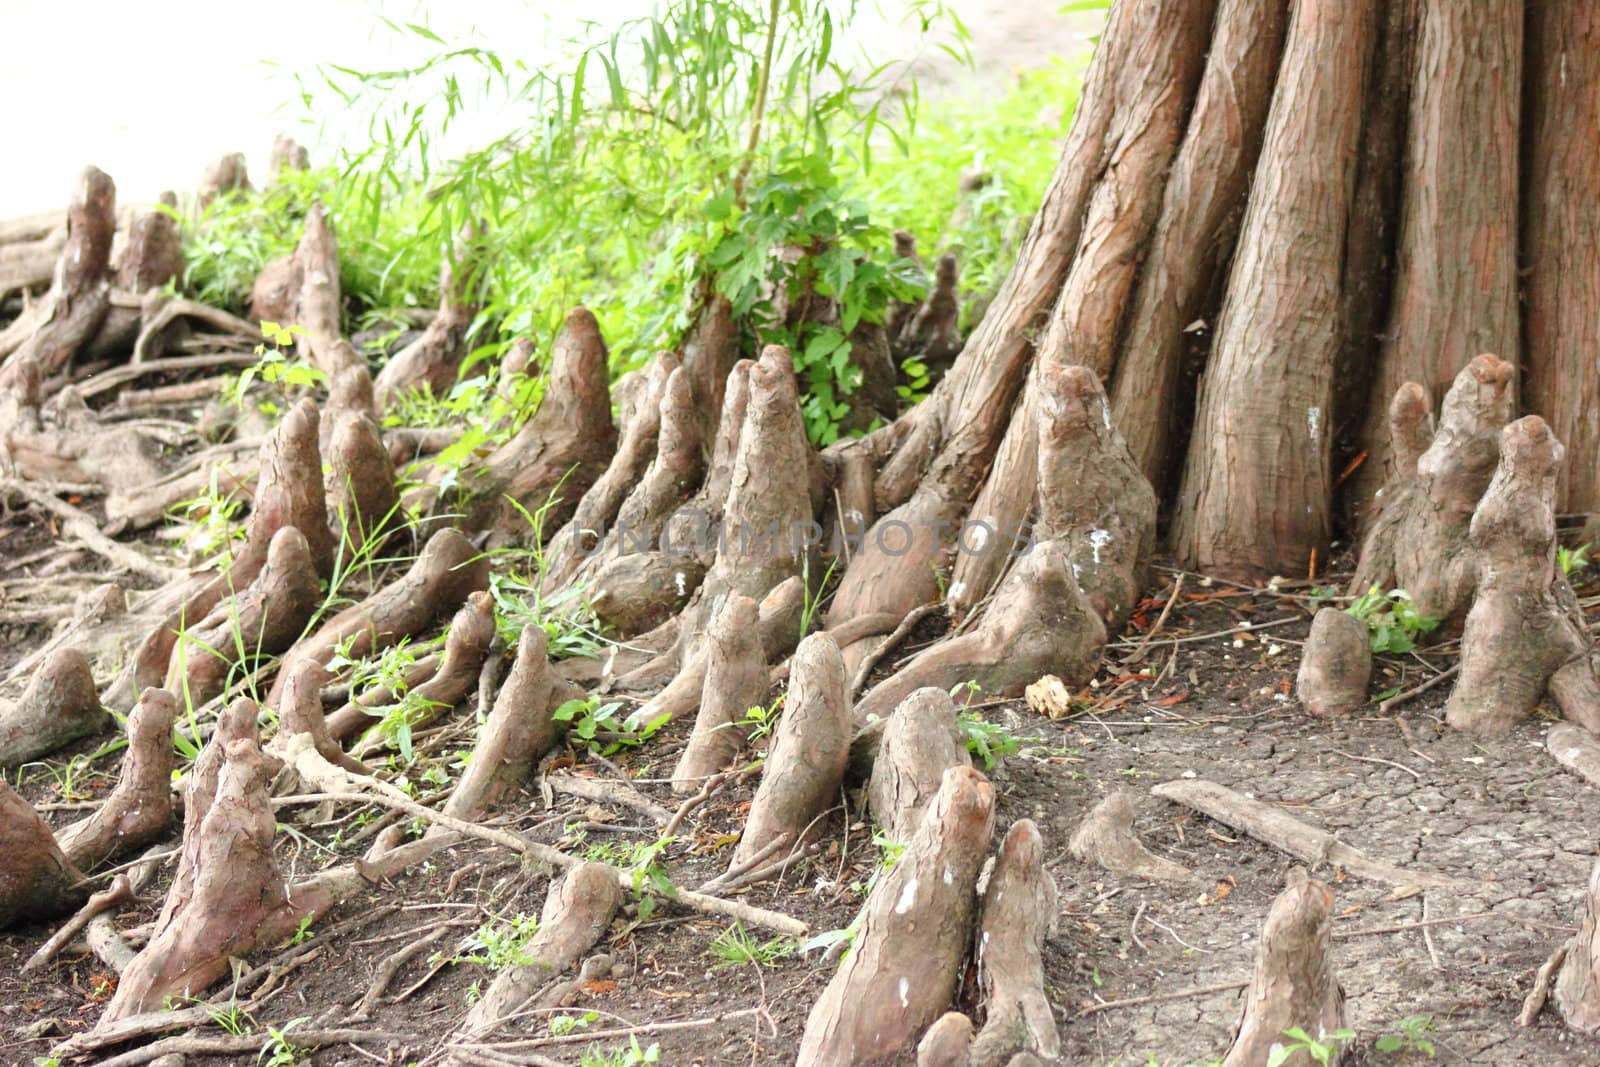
(118,892)
(1416,690)
(1543,979)
(1161,620)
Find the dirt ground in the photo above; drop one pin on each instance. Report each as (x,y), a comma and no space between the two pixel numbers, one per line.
(1501,817)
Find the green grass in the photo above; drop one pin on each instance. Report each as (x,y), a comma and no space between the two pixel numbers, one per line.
(636,183)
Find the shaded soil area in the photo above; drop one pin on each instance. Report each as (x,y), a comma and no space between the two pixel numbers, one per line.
(1210,697)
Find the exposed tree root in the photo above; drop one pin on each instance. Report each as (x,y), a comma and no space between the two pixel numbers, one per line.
(472,631)
(152,257)
(139,810)
(36,881)
(1268,824)
(1019,911)
(1040,622)
(362,496)
(70,315)
(1293,984)
(300,712)
(518,731)
(778,626)
(562,449)
(1577,982)
(921,739)
(236,900)
(1525,634)
(433,360)
(1106,838)
(448,569)
(911,935)
(634,591)
(1336,665)
(640,398)
(223,175)
(120,891)
(810,748)
(1419,541)
(948,1042)
(735,681)
(576,914)
(59,706)
(264,618)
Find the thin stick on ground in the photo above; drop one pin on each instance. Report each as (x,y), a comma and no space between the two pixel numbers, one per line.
(1384,706)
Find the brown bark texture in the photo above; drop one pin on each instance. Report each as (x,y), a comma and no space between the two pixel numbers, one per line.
(1257,487)
(910,937)
(1293,984)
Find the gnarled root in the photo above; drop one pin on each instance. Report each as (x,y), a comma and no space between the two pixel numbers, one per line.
(36,881)
(1039,621)
(300,712)
(1524,634)
(911,936)
(639,400)
(576,913)
(362,496)
(448,569)
(810,748)
(433,360)
(948,1042)
(472,630)
(1577,984)
(1088,491)
(71,313)
(1419,541)
(315,281)
(1019,911)
(635,591)
(769,505)
(777,626)
(288,493)
(223,175)
(696,523)
(139,809)
(237,898)
(1107,839)
(709,354)
(263,618)
(736,680)
(561,450)
(921,739)
(65,441)
(1336,664)
(59,706)
(152,257)
(1293,983)
(518,731)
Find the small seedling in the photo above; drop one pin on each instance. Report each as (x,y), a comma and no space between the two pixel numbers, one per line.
(1320,1048)
(1410,1037)
(736,948)
(1572,560)
(989,742)
(1392,621)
